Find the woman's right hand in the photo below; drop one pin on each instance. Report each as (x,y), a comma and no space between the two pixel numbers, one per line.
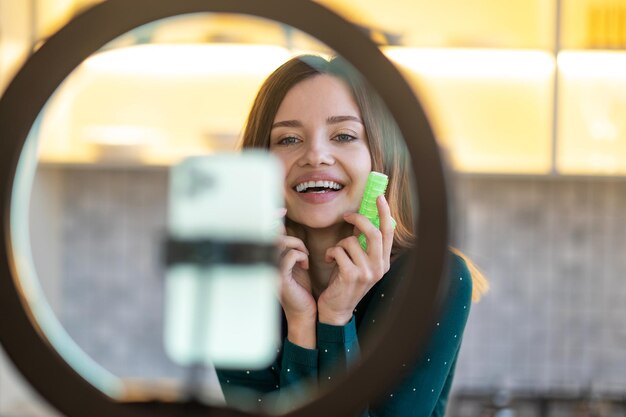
(295,291)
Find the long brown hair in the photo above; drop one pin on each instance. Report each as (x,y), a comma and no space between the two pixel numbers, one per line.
(387,149)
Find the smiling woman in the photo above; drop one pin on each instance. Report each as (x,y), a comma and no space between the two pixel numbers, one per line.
(330,130)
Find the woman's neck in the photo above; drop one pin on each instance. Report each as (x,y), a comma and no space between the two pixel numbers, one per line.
(317,242)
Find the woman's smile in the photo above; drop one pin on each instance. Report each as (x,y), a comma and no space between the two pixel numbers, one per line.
(318,188)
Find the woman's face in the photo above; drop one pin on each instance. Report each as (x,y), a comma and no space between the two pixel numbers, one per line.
(319,136)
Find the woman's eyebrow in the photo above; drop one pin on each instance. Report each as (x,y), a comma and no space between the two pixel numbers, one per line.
(338,119)
(287,123)
(330,120)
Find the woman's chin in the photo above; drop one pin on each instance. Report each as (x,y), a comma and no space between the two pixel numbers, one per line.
(321,223)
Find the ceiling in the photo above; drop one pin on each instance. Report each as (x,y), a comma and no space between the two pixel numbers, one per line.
(485,70)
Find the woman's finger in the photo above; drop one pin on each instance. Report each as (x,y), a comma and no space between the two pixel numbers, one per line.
(372,234)
(353,248)
(291,258)
(339,255)
(369,269)
(290,242)
(386,226)
(279,222)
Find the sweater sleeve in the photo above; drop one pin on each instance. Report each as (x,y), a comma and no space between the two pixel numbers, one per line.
(248,388)
(426,386)
(338,348)
(298,363)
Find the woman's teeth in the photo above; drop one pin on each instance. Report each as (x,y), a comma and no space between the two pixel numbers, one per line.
(318,186)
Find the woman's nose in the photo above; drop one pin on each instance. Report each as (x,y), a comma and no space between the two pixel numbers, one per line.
(317,152)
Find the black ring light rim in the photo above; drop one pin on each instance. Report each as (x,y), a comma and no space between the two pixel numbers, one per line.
(52,63)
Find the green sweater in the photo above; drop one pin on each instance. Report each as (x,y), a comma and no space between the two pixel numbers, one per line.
(426,386)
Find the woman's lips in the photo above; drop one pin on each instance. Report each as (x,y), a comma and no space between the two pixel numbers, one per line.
(317,176)
(317,197)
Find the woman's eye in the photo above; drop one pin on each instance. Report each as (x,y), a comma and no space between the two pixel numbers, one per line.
(289,140)
(344,137)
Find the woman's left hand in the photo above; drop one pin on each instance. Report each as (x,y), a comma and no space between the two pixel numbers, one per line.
(357,271)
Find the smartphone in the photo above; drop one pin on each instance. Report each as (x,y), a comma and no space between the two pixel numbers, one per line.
(221,291)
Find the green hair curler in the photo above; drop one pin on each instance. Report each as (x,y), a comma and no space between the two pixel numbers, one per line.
(376,185)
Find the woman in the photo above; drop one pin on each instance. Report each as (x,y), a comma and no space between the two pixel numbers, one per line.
(329,130)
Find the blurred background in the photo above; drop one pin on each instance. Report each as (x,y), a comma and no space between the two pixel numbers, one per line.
(528,97)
